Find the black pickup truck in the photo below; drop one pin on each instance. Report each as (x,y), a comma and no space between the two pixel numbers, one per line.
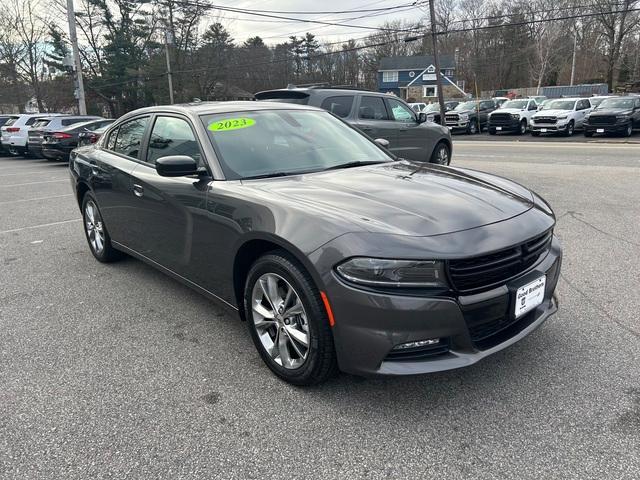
(615,115)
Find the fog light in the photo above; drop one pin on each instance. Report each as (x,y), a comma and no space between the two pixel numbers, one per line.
(418,344)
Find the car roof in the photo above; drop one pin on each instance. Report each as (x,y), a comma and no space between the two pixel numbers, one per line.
(209,108)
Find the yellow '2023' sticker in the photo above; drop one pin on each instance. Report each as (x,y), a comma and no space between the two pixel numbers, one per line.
(231,124)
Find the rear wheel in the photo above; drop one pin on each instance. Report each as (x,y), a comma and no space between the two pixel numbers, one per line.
(441,154)
(96,232)
(287,320)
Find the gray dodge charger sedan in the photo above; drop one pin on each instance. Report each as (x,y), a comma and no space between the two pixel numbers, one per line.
(338,255)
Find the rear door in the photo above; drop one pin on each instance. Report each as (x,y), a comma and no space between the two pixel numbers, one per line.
(414,141)
(111,168)
(167,209)
(373,119)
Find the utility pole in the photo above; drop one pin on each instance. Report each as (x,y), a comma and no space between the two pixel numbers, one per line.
(167,41)
(573,60)
(71,16)
(436,60)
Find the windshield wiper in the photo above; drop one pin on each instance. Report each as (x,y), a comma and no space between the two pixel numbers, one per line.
(268,175)
(354,164)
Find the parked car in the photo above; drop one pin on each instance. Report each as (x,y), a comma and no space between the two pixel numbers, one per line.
(3,119)
(418,107)
(595,101)
(337,256)
(380,116)
(542,105)
(14,133)
(470,116)
(537,98)
(57,145)
(513,116)
(500,100)
(91,136)
(614,115)
(433,110)
(45,125)
(563,115)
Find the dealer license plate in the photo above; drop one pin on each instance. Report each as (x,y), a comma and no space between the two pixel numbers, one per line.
(498,128)
(543,130)
(599,130)
(530,296)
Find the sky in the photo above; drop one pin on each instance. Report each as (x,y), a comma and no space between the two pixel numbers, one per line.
(277,31)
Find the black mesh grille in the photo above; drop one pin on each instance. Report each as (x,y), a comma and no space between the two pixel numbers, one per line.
(486,271)
(498,118)
(452,117)
(602,120)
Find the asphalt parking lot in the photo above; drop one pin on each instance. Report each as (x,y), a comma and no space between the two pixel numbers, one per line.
(117,371)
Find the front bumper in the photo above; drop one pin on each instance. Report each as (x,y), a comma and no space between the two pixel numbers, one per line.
(368,325)
(607,129)
(505,126)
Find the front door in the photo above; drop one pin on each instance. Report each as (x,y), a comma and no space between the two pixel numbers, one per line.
(414,142)
(373,119)
(169,209)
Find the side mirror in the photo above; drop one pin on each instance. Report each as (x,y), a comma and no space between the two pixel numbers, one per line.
(422,117)
(176,166)
(384,143)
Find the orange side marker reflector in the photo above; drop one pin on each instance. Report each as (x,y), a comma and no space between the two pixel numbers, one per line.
(325,300)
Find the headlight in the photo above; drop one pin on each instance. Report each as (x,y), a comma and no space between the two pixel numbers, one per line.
(515,116)
(623,117)
(563,117)
(464,116)
(380,272)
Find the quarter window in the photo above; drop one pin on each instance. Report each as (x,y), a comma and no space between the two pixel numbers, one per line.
(172,136)
(130,136)
(372,108)
(399,112)
(340,106)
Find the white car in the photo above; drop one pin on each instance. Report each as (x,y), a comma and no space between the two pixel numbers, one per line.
(563,115)
(512,116)
(418,107)
(14,133)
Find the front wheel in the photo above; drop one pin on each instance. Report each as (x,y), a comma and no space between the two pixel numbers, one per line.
(441,155)
(492,131)
(629,131)
(588,133)
(570,129)
(287,320)
(523,127)
(472,129)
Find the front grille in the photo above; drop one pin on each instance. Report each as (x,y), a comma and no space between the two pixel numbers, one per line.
(547,120)
(500,118)
(452,117)
(486,271)
(602,120)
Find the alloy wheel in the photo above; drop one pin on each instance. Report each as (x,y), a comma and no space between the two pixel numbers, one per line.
(94,227)
(280,321)
(442,156)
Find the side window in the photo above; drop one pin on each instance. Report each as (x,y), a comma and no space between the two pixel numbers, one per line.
(400,112)
(31,121)
(340,106)
(372,108)
(637,102)
(533,106)
(71,121)
(110,142)
(130,137)
(172,136)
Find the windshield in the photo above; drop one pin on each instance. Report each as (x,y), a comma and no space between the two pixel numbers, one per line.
(466,106)
(596,101)
(616,103)
(434,107)
(560,105)
(286,142)
(515,104)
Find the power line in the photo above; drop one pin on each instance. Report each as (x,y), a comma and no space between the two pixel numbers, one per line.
(338,12)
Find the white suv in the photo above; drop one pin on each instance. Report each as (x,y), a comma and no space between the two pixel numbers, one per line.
(563,115)
(14,133)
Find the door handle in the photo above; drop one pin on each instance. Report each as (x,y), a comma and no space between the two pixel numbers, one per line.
(138,191)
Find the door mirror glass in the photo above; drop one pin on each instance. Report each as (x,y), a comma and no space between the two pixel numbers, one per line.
(384,143)
(176,166)
(422,117)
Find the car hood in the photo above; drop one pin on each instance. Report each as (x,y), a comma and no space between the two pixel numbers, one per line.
(554,112)
(509,110)
(401,197)
(612,111)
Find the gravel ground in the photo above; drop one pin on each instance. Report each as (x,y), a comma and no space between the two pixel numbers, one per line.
(117,371)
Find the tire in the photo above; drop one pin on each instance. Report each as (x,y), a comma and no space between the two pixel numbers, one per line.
(472,128)
(492,131)
(441,155)
(629,131)
(104,253)
(588,134)
(294,363)
(569,130)
(523,127)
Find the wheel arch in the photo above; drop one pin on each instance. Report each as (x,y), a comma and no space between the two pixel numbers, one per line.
(81,191)
(256,246)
